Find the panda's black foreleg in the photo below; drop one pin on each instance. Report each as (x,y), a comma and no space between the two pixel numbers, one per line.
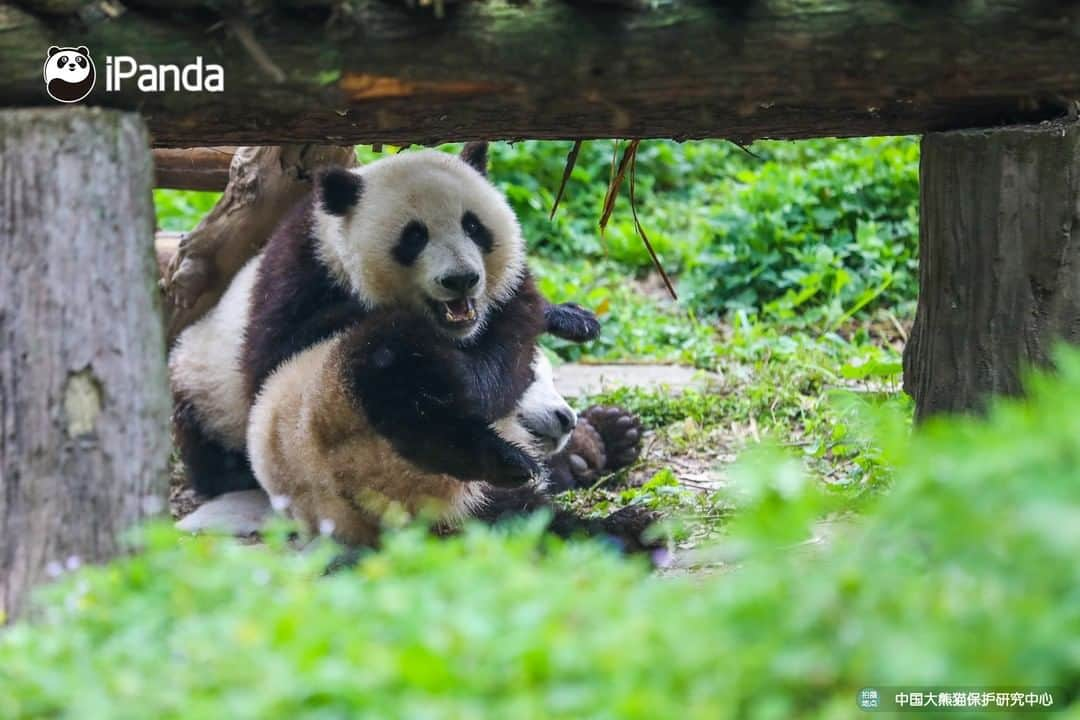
(500,360)
(413,389)
(210,468)
(462,448)
(626,528)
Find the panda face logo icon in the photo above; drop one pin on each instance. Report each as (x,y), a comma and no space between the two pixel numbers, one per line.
(69,73)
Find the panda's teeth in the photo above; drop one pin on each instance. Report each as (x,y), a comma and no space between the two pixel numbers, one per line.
(458,311)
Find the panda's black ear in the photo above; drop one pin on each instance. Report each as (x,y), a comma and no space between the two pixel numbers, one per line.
(475,154)
(83,50)
(338,190)
(53,50)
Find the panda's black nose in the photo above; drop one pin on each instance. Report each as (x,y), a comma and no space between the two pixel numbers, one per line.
(460,283)
(567,421)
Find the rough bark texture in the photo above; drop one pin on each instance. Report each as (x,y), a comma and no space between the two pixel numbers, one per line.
(998,261)
(378,71)
(84,406)
(264,183)
(193,169)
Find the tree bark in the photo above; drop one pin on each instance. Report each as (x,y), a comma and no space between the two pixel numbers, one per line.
(378,71)
(264,184)
(84,404)
(998,258)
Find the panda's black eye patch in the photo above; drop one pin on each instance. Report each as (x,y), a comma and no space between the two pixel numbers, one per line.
(81,61)
(62,60)
(413,239)
(477,231)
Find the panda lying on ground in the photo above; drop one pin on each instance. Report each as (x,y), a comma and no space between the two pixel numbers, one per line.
(423,234)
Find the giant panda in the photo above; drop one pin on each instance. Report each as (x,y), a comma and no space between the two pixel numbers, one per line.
(425,232)
(325,429)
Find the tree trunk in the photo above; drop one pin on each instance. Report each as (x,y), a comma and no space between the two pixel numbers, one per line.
(998,258)
(264,184)
(378,71)
(84,405)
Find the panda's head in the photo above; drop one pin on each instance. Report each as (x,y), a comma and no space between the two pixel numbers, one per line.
(542,420)
(423,230)
(70,65)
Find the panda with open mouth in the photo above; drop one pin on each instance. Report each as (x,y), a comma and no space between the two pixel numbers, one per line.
(419,239)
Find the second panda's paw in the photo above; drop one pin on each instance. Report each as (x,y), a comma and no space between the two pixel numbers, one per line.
(572,322)
(620,431)
(606,439)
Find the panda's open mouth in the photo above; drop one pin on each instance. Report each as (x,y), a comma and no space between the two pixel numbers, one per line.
(455,313)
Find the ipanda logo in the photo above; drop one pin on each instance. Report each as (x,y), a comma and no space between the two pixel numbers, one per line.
(194,77)
(70,75)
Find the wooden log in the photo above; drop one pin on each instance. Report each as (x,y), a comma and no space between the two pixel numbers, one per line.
(55,7)
(264,184)
(193,169)
(999,248)
(84,403)
(376,71)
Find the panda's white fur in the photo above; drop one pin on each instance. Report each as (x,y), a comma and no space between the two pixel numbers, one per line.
(204,364)
(311,445)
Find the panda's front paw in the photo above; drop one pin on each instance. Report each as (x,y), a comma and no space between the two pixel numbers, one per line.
(507,465)
(572,322)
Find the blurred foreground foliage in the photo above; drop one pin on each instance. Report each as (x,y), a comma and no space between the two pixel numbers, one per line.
(963,573)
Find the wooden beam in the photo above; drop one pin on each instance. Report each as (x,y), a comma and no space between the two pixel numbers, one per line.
(193,169)
(377,71)
(84,401)
(998,250)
